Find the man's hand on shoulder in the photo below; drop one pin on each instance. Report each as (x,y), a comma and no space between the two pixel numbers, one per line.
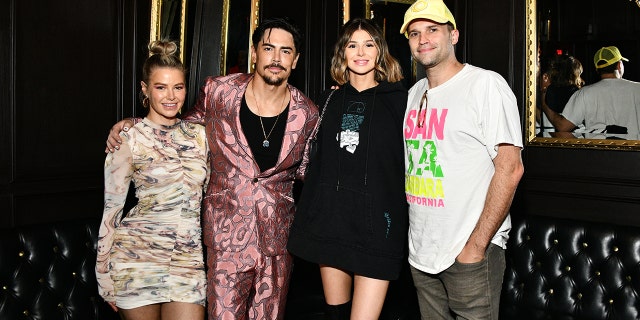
(114,141)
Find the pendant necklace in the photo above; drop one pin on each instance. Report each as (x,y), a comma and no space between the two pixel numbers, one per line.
(265,142)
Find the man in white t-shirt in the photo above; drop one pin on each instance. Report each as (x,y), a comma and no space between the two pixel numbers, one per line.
(463,164)
(609,108)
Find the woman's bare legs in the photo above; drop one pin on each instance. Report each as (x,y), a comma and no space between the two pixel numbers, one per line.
(368,297)
(150,312)
(166,311)
(368,293)
(336,285)
(182,311)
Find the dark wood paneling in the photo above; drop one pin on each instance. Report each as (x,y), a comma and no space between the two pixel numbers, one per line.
(64,99)
(6,218)
(6,105)
(357,8)
(80,203)
(323,22)
(595,185)
(133,38)
(69,70)
(56,88)
(487,36)
(205,48)
(70,74)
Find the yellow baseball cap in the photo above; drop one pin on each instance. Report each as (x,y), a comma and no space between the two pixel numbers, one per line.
(607,56)
(434,10)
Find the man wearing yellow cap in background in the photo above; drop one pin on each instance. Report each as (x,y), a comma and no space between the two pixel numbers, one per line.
(609,108)
(463,164)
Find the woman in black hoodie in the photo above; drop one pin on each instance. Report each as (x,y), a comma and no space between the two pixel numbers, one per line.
(352,214)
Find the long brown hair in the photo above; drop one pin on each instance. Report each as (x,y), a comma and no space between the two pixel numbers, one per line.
(566,70)
(387,67)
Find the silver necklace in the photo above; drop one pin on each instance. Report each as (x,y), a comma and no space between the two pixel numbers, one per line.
(265,142)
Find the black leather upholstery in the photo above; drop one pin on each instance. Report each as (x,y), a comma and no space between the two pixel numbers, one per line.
(556,269)
(567,269)
(47,272)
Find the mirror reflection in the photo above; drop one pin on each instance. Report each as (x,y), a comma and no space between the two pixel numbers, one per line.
(168,22)
(241,19)
(593,104)
(389,16)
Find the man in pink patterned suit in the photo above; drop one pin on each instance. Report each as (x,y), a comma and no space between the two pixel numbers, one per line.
(257,128)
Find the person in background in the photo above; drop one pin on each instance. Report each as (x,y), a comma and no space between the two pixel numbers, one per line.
(241,65)
(463,145)
(563,80)
(257,127)
(609,108)
(352,214)
(150,264)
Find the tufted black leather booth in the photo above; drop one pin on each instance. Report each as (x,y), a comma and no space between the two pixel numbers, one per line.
(567,269)
(47,272)
(556,269)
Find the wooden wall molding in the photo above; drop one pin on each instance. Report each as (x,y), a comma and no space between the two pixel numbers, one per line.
(68,73)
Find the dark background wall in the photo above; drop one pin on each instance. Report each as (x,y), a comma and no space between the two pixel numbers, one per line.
(70,69)
(595,185)
(68,72)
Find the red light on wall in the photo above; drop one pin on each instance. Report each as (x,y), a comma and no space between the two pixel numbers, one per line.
(559,52)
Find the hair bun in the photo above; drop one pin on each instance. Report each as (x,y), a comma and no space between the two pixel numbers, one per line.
(163,47)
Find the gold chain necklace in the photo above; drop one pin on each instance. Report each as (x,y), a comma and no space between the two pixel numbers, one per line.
(265,142)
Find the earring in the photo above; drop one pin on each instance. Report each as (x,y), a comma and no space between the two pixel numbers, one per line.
(145,102)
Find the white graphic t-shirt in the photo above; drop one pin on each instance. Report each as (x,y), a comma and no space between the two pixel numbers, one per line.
(450,144)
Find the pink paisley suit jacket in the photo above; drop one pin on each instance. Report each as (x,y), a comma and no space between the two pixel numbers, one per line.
(240,199)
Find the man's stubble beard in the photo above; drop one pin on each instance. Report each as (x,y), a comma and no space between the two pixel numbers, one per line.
(273,81)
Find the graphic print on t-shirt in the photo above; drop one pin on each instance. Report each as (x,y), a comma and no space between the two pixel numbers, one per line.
(349,137)
(424,173)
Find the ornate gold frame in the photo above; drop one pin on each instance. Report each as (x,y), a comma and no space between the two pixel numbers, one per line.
(224,36)
(367,8)
(530,100)
(346,11)
(156,12)
(368,3)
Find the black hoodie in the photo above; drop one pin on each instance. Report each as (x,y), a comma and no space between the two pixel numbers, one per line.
(352,211)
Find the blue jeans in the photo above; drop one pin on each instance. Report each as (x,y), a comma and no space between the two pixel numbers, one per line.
(463,291)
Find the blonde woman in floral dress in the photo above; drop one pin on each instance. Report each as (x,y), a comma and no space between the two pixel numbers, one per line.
(150,263)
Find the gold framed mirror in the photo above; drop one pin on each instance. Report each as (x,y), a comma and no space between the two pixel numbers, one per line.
(346,11)
(239,19)
(533,21)
(389,15)
(168,22)
(369,3)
